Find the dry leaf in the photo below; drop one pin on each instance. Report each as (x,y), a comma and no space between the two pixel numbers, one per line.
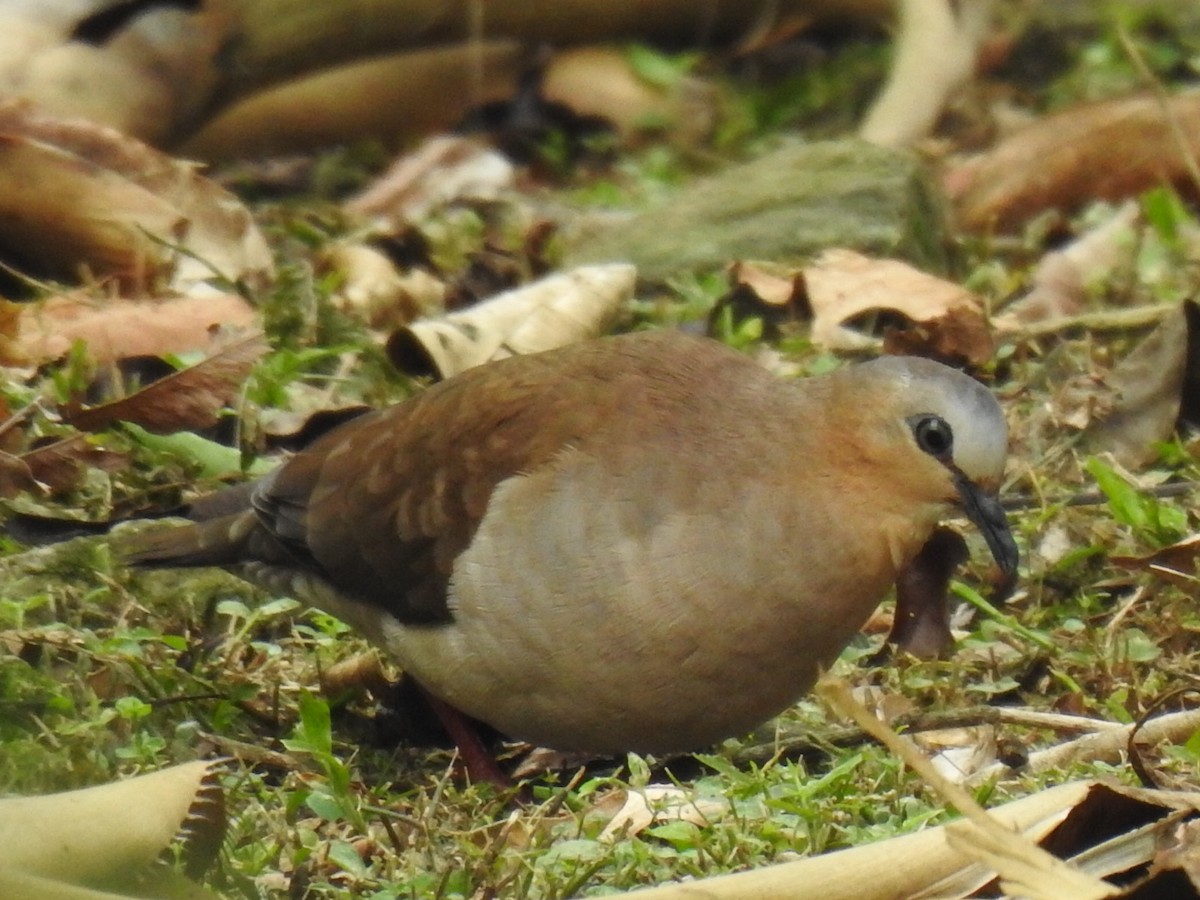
(356,675)
(61,464)
(188,400)
(117,329)
(912,866)
(554,311)
(771,287)
(1183,855)
(958,753)
(428,90)
(375,292)
(771,293)
(1176,563)
(442,170)
(1154,388)
(1110,745)
(1024,868)
(15,476)
(75,196)
(111,835)
(656,803)
(139,67)
(1065,160)
(947,321)
(1062,276)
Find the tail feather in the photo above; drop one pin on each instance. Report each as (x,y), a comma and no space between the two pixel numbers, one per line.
(217,542)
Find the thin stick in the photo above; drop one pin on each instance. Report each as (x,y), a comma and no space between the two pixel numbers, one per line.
(1014,502)
(797,742)
(1002,846)
(1164,101)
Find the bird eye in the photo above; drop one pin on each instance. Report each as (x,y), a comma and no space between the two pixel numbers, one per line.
(934,436)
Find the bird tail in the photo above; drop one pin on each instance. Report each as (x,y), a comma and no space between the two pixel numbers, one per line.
(216,542)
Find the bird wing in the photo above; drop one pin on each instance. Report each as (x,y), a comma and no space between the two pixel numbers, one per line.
(381,506)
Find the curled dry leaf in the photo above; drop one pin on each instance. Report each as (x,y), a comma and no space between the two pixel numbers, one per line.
(374,291)
(114,834)
(570,306)
(357,675)
(118,329)
(946,320)
(1062,277)
(77,197)
(188,400)
(658,803)
(428,91)
(1065,160)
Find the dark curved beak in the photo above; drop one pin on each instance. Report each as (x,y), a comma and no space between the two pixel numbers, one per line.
(985,511)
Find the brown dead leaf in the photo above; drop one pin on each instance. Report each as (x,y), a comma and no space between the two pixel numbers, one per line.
(15,476)
(1176,563)
(59,465)
(1065,160)
(772,288)
(1152,390)
(428,89)
(76,197)
(116,329)
(188,400)
(944,320)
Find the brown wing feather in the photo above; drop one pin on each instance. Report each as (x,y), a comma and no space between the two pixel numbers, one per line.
(383,505)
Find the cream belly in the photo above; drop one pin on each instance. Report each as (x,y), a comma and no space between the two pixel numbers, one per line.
(640,625)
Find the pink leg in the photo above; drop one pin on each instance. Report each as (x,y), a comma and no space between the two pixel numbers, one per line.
(479,763)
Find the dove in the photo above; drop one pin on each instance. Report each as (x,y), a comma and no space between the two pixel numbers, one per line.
(644,542)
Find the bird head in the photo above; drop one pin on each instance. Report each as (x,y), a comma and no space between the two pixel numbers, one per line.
(943,437)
